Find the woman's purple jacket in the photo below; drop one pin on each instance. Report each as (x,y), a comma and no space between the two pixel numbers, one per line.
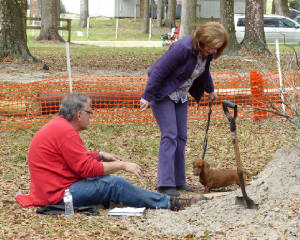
(172,69)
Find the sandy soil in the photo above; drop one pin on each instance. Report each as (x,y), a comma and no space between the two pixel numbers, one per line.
(25,73)
(276,190)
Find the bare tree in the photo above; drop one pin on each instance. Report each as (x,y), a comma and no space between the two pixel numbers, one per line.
(188,17)
(13,38)
(171,14)
(254,38)
(49,26)
(84,13)
(227,20)
(146,16)
(281,7)
(159,12)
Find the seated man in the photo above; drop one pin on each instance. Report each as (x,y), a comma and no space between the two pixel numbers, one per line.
(58,160)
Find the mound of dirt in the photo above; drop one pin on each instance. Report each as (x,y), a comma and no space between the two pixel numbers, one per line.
(276,189)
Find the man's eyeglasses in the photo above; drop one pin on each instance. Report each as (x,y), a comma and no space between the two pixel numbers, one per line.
(90,113)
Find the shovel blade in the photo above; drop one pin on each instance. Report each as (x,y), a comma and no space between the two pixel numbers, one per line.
(248,203)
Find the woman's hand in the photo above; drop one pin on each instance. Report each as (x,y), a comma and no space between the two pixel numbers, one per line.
(144,104)
(212,97)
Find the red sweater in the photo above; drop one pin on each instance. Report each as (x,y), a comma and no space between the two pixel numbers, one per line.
(57,158)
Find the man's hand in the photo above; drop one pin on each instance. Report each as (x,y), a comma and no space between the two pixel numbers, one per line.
(212,97)
(143,104)
(134,168)
(110,157)
(117,165)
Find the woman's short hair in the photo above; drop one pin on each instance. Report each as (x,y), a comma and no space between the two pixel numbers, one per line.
(72,103)
(213,35)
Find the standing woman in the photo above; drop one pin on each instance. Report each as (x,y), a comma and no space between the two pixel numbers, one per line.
(183,69)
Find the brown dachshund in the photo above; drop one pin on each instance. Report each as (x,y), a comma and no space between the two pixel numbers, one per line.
(211,178)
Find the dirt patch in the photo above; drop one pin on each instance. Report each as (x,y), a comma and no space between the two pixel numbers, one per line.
(276,190)
(133,64)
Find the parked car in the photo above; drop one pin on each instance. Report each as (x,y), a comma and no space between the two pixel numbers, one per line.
(286,30)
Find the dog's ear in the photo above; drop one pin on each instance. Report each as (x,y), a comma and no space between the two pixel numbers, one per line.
(201,162)
(196,164)
(206,165)
(196,167)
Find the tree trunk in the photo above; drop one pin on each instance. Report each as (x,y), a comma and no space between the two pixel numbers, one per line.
(273,7)
(84,13)
(13,38)
(264,6)
(49,29)
(159,12)
(227,20)
(254,39)
(165,10)
(171,14)
(146,16)
(188,17)
(281,7)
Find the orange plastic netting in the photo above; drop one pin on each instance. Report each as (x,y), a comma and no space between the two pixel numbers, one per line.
(115,99)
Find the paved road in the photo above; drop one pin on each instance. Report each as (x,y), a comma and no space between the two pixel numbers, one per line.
(122,43)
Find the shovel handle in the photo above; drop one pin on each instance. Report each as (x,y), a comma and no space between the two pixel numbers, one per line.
(226,104)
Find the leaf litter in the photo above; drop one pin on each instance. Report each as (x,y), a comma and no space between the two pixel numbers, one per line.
(274,183)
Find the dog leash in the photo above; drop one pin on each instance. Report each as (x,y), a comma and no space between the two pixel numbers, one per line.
(206,132)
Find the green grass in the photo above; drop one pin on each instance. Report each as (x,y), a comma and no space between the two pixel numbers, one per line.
(284,48)
(19,158)
(101,29)
(59,49)
(83,50)
(104,29)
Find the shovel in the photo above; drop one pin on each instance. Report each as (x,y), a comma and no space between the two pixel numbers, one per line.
(244,200)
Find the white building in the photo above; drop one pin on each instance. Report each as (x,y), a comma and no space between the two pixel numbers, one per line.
(131,8)
(106,8)
(211,8)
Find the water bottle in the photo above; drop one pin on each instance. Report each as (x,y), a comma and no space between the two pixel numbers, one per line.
(68,200)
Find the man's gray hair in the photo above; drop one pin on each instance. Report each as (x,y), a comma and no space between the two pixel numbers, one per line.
(72,103)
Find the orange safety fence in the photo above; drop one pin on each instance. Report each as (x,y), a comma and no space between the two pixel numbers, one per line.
(115,99)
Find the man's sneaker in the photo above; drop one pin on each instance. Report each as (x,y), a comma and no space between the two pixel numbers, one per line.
(185,188)
(170,191)
(181,203)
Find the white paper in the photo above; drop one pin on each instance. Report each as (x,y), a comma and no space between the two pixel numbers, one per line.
(127,211)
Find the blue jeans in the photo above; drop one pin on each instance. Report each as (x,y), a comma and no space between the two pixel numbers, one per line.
(102,190)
